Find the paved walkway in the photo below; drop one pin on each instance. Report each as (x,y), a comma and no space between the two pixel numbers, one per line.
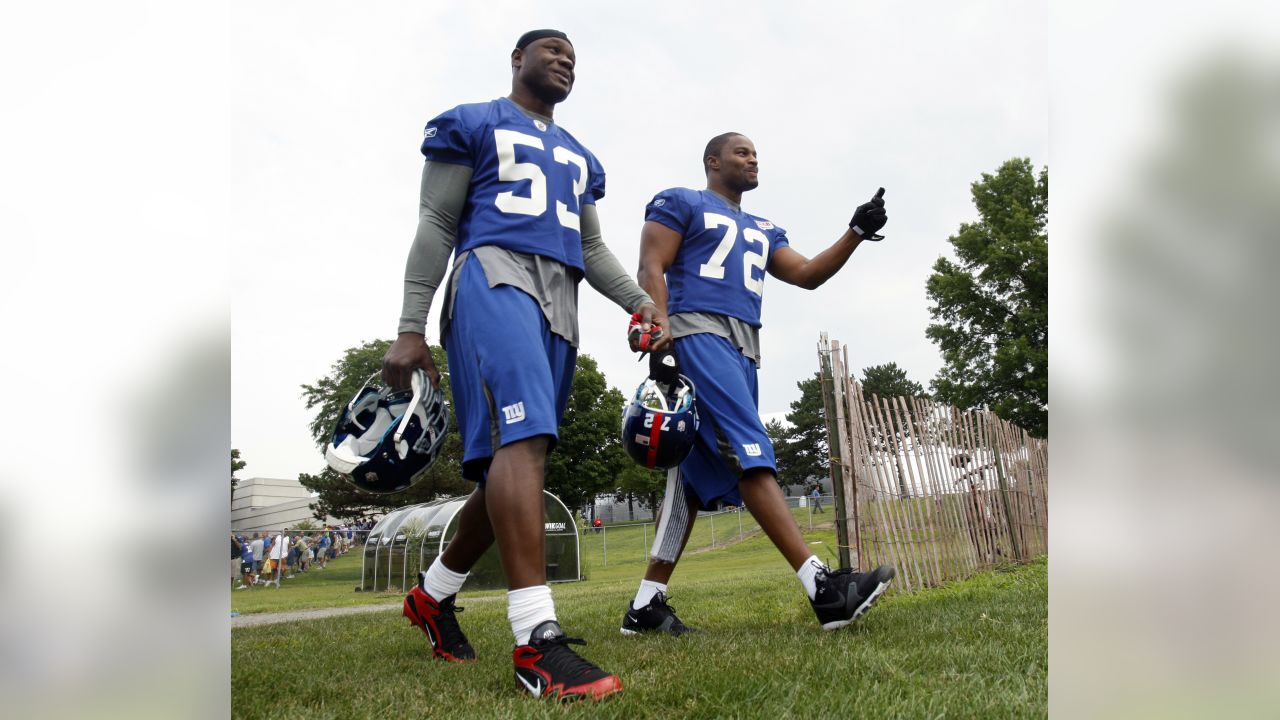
(256,619)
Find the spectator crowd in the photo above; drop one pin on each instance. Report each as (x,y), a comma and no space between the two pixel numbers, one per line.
(266,557)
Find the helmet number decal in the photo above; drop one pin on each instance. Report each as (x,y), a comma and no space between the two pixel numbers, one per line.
(666,421)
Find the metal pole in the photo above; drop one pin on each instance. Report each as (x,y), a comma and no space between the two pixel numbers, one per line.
(739,523)
(713,531)
(604,543)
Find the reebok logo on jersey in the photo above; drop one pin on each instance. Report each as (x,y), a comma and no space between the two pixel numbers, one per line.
(753,449)
(429,132)
(764,224)
(514,413)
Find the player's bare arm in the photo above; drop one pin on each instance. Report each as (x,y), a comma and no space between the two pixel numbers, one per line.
(658,247)
(794,268)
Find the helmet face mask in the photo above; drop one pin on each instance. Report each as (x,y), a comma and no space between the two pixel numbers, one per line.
(658,428)
(386,438)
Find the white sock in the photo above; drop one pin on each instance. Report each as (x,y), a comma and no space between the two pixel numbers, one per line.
(646,592)
(527,608)
(808,574)
(440,582)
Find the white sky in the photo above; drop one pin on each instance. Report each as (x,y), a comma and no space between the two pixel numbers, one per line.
(328,102)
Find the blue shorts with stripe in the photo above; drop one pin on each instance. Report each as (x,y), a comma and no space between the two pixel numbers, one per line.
(510,374)
(731,438)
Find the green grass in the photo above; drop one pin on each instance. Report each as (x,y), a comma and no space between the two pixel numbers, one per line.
(626,552)
(629,542)
(976,648)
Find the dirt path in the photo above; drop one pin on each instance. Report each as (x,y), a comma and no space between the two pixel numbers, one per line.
(257,619)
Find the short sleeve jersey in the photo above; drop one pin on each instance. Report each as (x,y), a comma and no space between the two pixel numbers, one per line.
(720,265)
(529,179)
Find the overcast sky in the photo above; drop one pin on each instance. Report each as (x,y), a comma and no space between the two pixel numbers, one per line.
(328,103)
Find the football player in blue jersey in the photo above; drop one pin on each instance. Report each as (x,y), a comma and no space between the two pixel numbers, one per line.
(511,196)
(703,260)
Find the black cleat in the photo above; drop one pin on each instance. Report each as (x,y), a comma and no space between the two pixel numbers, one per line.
(657,616)
(438,619)
(546,667)
(844,595)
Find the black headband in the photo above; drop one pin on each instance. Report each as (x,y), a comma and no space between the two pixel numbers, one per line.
(534,35)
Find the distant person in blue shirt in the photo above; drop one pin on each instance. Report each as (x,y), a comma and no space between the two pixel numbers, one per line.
(703,259)
(246,564)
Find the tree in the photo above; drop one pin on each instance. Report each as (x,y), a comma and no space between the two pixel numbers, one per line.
(329,395)
(992,306)
(804,454)
(891,381)
(779,435)
(588,457)
(639,482)
(236,464)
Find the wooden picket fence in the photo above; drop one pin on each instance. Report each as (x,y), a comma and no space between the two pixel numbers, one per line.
(936,492)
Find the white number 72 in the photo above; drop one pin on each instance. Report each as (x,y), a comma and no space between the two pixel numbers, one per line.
(714,266)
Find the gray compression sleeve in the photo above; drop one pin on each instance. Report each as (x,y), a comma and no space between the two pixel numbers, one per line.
(444,192)
(604,272)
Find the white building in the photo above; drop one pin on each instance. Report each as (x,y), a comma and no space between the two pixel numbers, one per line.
(271,504)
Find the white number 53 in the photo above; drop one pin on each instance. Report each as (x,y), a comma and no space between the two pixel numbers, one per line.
(535,203)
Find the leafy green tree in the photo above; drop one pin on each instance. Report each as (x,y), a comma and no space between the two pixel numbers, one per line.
(329,396)
(588,457)
(805,453)
(992,306)
(891,381)
(639,482)
(779,435)
(236,465)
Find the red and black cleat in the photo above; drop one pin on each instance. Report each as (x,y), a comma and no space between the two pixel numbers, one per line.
(438,619)
(546,667)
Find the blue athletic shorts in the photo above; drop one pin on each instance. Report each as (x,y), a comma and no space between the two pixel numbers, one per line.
(731,438)
(510,374)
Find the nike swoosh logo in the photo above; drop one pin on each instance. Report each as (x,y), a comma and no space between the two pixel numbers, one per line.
(632,618)
(535,689)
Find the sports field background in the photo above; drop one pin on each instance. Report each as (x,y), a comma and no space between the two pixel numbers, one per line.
(973,648)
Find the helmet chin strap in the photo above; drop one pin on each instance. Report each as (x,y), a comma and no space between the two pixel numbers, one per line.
(418,380)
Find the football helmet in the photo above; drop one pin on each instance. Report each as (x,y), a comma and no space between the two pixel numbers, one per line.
(660,423)
(387,438)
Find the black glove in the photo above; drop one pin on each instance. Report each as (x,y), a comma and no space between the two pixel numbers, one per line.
(664,368)
(870,217)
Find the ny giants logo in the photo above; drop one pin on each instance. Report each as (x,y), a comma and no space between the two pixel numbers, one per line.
(514,413)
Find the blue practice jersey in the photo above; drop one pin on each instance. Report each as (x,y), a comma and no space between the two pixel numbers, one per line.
(720,265)
(529,179)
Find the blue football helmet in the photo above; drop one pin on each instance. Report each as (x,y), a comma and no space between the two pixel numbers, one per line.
(387,438)
(658,428)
